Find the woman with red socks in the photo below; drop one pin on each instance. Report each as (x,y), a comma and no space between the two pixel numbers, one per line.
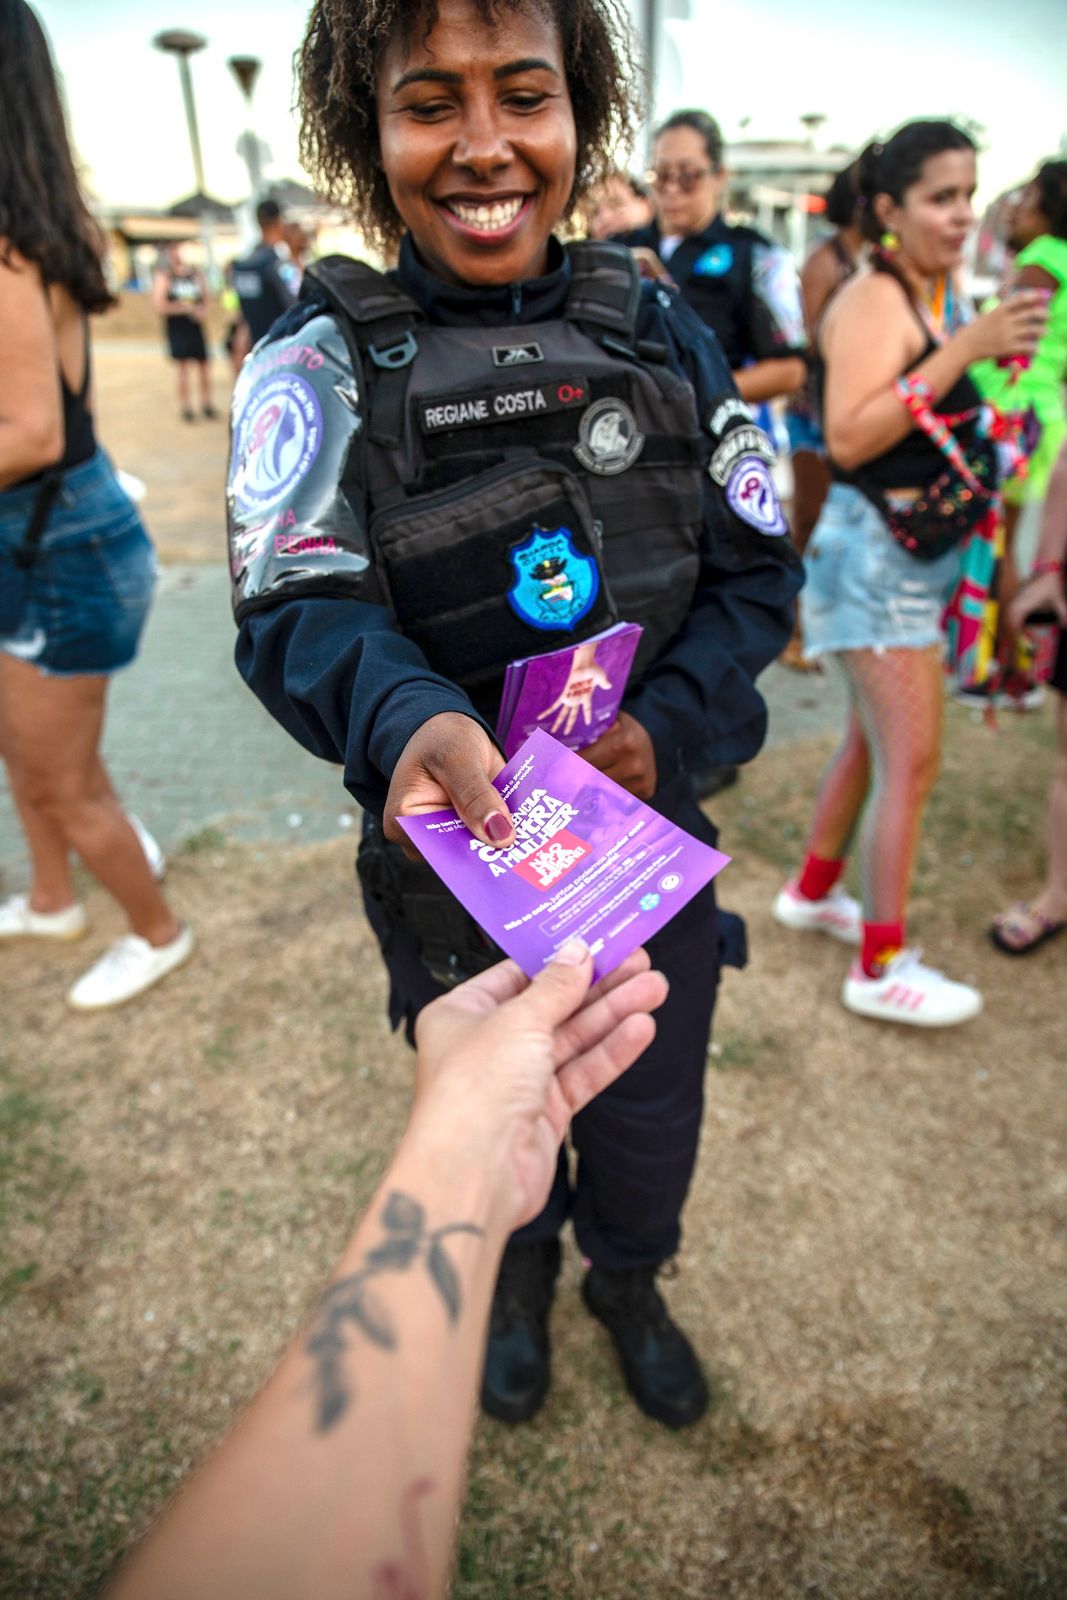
(908,446)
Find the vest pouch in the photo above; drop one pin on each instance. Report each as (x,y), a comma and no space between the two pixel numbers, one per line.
(500,566)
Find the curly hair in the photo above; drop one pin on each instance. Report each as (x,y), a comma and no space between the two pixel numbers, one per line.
(338,70)
(1051,181)
(43,214)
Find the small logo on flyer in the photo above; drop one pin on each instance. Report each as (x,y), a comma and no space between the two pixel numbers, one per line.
(554,860)
(554,584)
(649,902)
(670,882)
(276,440)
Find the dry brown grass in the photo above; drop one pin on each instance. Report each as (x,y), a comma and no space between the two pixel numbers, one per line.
(873,1265)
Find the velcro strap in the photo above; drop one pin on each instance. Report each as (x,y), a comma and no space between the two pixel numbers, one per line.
(605,288)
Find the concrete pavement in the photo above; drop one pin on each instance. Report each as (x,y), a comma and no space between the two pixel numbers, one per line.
(190,748)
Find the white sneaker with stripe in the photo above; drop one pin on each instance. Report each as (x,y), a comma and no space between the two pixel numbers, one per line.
(838,913)
(908,991)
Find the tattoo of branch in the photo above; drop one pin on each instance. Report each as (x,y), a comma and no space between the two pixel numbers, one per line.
(352,1300)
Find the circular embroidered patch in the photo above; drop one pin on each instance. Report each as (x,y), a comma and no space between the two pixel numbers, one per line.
(751,495)
(276,440)
(609,439)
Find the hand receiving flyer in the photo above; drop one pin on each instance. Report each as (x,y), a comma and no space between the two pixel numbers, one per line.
(590,861)
(573,693)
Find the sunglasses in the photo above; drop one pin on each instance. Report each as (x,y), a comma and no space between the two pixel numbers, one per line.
(684,178)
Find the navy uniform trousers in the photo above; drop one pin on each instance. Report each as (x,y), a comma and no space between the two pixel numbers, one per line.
(636,1143)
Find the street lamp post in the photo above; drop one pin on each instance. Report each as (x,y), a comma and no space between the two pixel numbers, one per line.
(182,44)
(246,70)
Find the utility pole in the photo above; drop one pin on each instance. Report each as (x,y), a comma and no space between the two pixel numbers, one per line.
(182,44)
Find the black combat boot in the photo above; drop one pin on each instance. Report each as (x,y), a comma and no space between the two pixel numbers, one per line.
(659,1365)
(515,1381)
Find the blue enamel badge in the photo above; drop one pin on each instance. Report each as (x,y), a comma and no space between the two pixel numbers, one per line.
(554,585)
(715,262)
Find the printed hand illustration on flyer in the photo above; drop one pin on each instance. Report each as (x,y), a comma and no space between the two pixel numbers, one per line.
(590,861)
(573,693)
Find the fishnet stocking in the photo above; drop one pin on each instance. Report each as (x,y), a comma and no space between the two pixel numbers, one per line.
(889,758)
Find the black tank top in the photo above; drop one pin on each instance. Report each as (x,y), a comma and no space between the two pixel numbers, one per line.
(79,436)
(915,461)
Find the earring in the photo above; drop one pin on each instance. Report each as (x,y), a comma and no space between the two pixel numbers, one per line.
(890,240)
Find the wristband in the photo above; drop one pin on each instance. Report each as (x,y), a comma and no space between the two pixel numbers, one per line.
(1040,567)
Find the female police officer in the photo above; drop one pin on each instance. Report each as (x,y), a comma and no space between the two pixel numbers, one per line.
(407,451)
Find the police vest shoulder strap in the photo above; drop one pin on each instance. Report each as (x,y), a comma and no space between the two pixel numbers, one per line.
(605,292)
(382,319)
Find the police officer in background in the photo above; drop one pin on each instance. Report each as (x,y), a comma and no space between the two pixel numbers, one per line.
(260,278)
(740,284)
(400,444)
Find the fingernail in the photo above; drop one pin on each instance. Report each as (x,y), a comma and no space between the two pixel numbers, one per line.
(497,827)
(572,954)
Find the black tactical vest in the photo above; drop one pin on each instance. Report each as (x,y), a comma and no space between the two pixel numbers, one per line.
(522,487)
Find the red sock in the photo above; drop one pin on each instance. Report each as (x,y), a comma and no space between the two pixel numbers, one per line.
(881,940)
(817,877)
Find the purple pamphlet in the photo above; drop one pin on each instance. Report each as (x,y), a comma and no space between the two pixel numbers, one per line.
(573,694)
(590,861)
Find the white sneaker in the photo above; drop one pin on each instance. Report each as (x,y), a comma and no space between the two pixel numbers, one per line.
(153,854)
(127,969)
(908,991)
(837,913)
(18,920)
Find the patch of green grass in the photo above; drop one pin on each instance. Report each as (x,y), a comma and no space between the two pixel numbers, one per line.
(763,1053)
(203,841)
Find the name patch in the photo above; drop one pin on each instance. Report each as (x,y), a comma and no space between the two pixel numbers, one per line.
(443,413)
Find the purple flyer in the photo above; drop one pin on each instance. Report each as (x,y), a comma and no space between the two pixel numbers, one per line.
(573,694)
(590,861)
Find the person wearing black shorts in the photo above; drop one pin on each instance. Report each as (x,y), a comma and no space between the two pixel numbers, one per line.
(180,295)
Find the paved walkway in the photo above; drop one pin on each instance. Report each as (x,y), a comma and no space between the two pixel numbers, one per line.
(190,748)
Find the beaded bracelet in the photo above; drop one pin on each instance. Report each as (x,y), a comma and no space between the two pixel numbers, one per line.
(1040,567)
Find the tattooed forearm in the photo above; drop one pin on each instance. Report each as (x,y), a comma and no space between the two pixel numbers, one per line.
(352,1300)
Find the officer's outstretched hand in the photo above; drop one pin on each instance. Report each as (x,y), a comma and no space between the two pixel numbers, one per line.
(449,762)
(625,753)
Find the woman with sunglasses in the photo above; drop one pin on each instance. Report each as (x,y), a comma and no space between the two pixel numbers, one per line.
(743,287)
(410,450)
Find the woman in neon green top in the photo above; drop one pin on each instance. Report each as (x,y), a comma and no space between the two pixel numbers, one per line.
(1038,231)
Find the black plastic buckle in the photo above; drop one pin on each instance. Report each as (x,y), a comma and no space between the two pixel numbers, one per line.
(395,356)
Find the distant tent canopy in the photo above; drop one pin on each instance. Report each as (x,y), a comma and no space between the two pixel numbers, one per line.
(202,205)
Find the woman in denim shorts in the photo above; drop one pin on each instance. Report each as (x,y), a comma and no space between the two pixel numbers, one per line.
(76,567)
(889,335)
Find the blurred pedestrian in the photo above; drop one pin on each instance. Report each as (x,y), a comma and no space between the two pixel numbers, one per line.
(259,278)
(908,483)
(180,296)
(1029,924)
(1037,230)
(618,205)
(76,567)
(831,263)
(739,283)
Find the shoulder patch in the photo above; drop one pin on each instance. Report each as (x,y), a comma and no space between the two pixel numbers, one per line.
(744,441)
(752,496)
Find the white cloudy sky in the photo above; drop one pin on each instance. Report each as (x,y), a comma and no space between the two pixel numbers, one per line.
(867,64)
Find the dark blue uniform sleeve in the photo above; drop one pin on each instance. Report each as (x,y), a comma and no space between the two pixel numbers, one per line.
(340,679)
(699,701)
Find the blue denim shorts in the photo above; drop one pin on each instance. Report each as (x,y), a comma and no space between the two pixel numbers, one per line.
(81,606)
(863,591)
(804,434)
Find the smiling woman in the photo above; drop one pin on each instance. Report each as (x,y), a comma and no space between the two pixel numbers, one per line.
(367,69)
(421,471)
